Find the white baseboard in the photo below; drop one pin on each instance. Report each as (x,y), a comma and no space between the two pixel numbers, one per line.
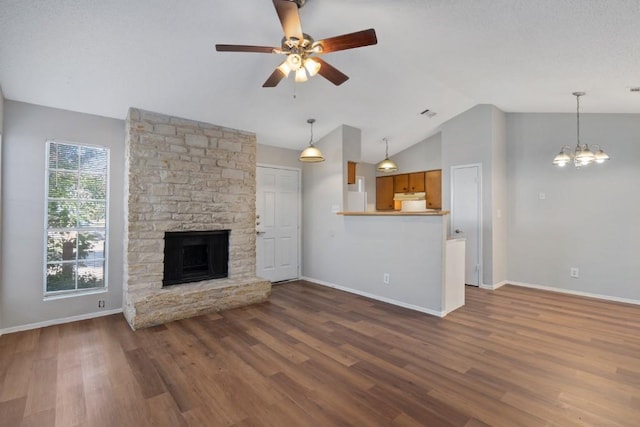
(375,297)
(495,286)
(572,292)
(59,321)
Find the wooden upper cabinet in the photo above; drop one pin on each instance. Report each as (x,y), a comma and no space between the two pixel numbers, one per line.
(351,172)
(408,182)
(433,188)
(401,183)
(416,182)
(384,193)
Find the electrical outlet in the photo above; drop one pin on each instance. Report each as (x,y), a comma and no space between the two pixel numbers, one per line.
(574,272)
(385,278)
(100,303)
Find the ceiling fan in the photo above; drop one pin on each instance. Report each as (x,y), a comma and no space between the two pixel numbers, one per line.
(301,49)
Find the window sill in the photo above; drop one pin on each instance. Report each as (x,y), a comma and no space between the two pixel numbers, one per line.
(72,294)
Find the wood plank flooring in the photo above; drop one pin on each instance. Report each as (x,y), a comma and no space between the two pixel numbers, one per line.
(314,356)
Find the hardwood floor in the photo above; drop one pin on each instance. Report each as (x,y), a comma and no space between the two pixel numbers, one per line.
(314,356)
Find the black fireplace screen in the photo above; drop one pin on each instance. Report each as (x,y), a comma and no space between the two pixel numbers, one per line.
(193,256)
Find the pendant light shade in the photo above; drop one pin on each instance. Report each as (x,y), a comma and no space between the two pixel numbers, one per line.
(311,154)
(387,165)
(581,154)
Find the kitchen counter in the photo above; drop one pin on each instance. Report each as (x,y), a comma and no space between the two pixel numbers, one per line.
(395,213)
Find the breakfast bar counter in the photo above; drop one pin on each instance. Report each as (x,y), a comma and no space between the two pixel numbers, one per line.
(396,213)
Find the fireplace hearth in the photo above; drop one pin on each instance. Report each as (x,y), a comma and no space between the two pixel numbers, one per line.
(194,256)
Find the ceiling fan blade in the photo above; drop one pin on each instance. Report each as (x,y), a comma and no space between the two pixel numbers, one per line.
(244,48)
(274,78)
(330,72)
(289,18)
(348,41)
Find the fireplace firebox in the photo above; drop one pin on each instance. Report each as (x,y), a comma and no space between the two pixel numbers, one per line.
(193,256)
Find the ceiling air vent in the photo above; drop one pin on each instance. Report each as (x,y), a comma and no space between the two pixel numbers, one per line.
(428,113)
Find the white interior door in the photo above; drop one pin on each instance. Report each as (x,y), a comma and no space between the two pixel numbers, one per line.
(277,223)
(466,217)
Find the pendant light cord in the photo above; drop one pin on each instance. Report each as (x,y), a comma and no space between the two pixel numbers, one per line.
(578,117)
(310,121)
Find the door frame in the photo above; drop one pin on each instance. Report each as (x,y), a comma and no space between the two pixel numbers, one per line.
(299,213)
(480,219)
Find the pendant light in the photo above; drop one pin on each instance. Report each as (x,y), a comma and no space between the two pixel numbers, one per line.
(581,155)
(311,154)
(387,165)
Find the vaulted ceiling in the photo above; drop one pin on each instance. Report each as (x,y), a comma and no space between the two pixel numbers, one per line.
(101,57)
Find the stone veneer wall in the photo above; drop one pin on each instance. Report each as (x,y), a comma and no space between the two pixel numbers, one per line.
(185,175)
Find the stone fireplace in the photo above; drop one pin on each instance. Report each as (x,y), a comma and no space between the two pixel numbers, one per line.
(187,178)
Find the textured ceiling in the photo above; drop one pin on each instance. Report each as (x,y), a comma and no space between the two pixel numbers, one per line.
(102,57)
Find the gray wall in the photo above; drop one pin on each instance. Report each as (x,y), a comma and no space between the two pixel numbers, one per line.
(499,193)
(590,217)
(26,129)
(466,139)
(1,109)
(276,156)
(1,127)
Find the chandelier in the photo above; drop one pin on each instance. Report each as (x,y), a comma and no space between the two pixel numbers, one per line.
(581,154)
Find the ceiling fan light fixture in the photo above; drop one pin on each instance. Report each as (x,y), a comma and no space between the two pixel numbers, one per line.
(294,61)
(284,68)
(298,46)
(301,75)
(312,66)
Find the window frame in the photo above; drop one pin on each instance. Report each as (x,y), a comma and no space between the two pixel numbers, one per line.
(77,229)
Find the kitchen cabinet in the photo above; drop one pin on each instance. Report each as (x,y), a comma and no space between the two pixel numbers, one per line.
(384,193)
(416,182)
(351,172)
(433,188)
(408,182)
(401,183)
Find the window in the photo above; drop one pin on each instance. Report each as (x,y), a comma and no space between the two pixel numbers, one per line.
(76,218)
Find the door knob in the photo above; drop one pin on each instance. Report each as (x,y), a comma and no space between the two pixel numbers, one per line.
(258,232)
(458,231)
